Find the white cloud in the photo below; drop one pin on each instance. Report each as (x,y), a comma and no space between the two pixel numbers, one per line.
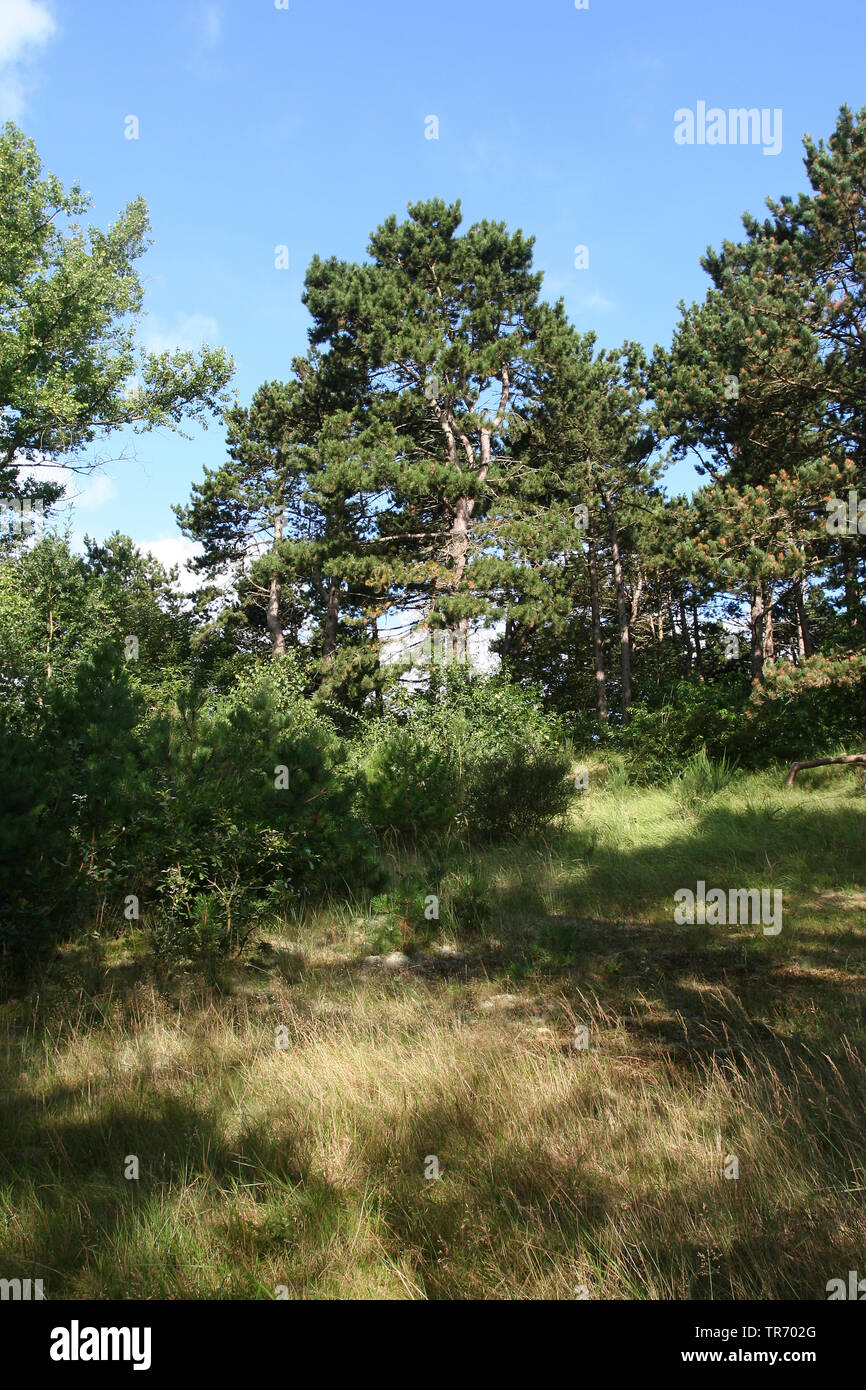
(175,550)
(555,286)
(595,299)
(84,491)
(563,286)
(25,25)
(185,332)
(98,490)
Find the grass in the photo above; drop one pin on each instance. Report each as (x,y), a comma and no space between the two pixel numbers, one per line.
(564,1171)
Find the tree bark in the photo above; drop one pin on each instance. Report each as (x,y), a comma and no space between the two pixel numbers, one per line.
(687,641)
(823,762)
(852,588)
(272,616)
(460,553)
(374,638)
(597,645)
(635,609)
(515,637)
(621,608)
(672,627)
(332,615)
(804,637)
(696,629)
(767,590)
(465,506)
(756,627)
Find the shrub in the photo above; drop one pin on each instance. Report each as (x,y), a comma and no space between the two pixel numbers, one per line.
(465,900)
(407,921)
(473,757)
(408,788)
(251,810)
(728,719)
(701,778)
(186,925)
(656,743)
(69,786)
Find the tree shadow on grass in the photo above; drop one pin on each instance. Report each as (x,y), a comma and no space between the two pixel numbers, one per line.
(80,1224)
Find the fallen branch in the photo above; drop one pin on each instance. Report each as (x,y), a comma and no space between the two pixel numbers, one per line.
(823,762)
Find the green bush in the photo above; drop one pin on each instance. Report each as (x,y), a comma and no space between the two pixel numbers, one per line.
(413,912)
(720,718)
(657,743)
(407,920)
(700,780)
(251,811)
(406,775)
(465,902)
(200,926)
(473,757)
(69,787)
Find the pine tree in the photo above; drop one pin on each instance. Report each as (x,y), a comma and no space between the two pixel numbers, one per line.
(442,325)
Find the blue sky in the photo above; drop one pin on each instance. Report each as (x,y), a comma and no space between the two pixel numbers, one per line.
(305,127)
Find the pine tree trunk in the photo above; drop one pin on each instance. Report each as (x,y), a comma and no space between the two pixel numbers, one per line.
(696,629)
(769,635)
(635,609)
(332,614)
(672,627)
(459,557)
(852,589)
(804,639)
(597,646)
(515,637)
(756,626)
(622,610)
(687,642)
(465,506)
(374,638)
(272,617)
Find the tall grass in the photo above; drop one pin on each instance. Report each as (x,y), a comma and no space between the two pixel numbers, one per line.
(284,1116)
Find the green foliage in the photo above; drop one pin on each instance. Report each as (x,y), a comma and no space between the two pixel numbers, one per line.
(106,790)
(658,742)
(69,298)
(449,445)
(616,773)
(474,758)
(408,923)
(68,791)
(804,721)
(407,785)
(464,898)
(201,927)
(419,907)
(249,811)
(725,720)
(701,779)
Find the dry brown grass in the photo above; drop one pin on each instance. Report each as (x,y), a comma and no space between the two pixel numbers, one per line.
(561,1169)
